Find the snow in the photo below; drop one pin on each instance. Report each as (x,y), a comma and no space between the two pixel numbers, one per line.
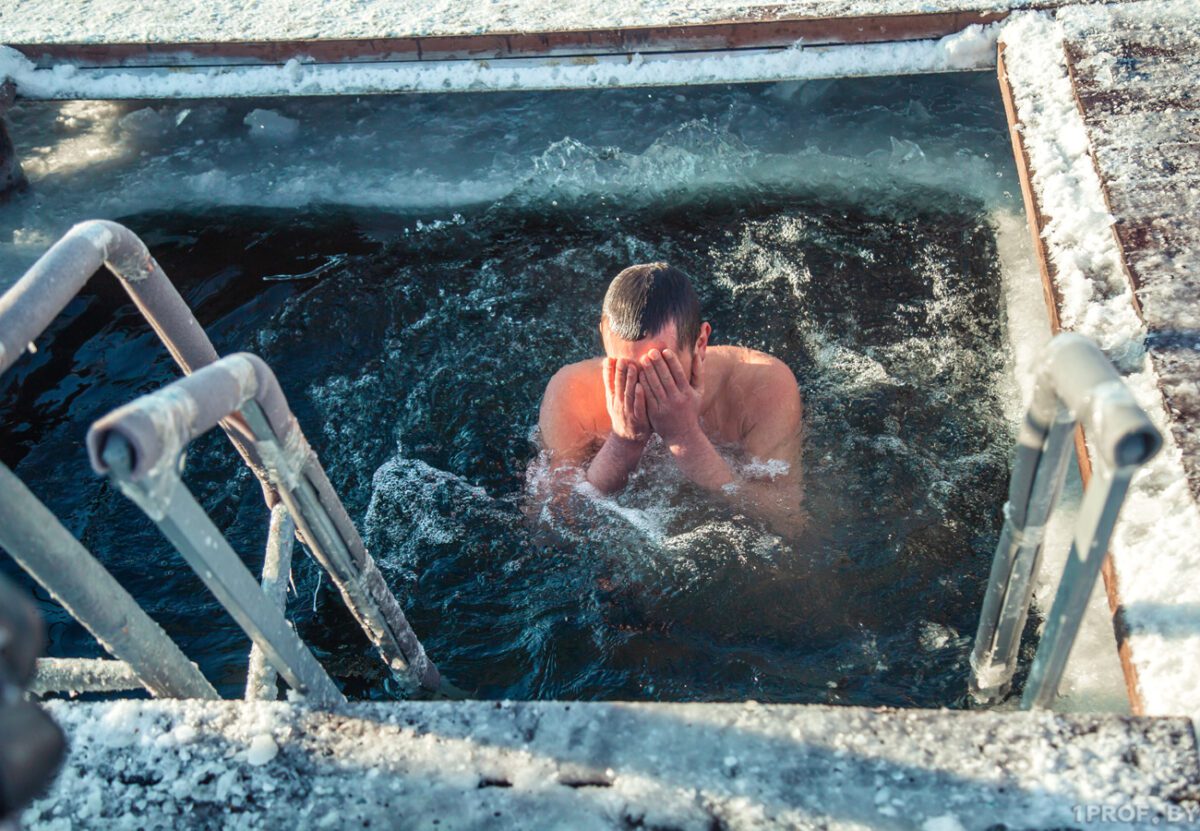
(126,21)
(155,764)
(1154,553)
(262,750)
(972,48)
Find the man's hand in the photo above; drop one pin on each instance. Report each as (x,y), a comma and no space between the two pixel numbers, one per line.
(674,401)
(626,400)
(673,404)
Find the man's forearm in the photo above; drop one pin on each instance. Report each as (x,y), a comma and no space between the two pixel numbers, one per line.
(610,469)
(780,503)
(700,462)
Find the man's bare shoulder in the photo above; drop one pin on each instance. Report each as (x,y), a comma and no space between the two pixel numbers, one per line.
(572,404)
(762,389)
(573,381)
(757,372)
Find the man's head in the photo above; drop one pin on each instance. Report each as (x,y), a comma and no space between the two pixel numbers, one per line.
(652,306)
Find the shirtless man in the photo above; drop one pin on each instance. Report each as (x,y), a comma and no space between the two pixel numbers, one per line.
(661,376)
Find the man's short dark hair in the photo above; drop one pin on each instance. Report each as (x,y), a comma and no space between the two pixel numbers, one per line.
(642,299)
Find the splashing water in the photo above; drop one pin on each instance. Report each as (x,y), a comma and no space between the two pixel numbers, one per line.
(414,346)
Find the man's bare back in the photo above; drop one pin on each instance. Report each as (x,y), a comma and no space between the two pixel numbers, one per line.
(600,413)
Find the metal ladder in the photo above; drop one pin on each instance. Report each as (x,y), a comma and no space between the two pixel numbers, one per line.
(1076,384)
(139,447)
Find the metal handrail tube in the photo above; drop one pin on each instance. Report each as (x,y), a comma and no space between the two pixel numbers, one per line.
(31,533)
(74,675)
(48,286)
(45,289)
(184,523)
(1033,490)
(49,553)
(1075,383)
(1089,544)
(277,565)
(157,426)
(1076,372)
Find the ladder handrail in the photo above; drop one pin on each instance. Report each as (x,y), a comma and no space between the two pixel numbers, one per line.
(277,567)
(1075,384)
(159,425)
(50,554)
(25,311)
(52,282)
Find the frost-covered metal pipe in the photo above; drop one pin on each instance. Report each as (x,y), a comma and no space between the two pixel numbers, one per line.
(158,426)
(182,520)
(277,566)
(45,289)
(48,552)
(48,286)
(1075,384)
(82,675)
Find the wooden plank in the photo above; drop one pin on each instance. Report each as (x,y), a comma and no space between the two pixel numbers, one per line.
(1151,162)
(765,30)
(1179,127)
(1129,47)
(1146,240)
(1037,224)
(1100,104)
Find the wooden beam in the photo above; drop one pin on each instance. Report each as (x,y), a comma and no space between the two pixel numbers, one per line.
(765,29)
(1037,223)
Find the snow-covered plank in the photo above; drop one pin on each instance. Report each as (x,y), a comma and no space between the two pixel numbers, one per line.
(764,30)
(1150,163)
(1111,85)
(232,21)
(160,764)
(1082,172)
(971,49)
(1178,127)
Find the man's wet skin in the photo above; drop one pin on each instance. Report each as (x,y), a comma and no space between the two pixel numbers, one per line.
(599,415)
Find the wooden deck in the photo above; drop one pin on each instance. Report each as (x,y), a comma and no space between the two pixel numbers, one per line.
(1137,82)
(1134,74)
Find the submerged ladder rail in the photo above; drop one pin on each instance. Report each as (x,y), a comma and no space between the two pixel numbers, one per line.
(1075,384)
(156,427)
(277,566)
(167,501)
(49,553)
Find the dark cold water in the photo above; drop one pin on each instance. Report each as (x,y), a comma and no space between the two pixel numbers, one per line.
(414,347)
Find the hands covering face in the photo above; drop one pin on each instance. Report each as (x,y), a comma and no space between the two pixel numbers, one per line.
(672,398)
(626,400)
(655,395)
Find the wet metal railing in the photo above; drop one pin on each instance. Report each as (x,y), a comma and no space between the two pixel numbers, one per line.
(47,551)
(1076,384)
(277,566)
(139,445)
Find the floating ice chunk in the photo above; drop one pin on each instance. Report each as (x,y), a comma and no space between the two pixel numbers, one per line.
(934,636)
(144,123)
(268,125)
(262,750)
(946,822)
(904,151)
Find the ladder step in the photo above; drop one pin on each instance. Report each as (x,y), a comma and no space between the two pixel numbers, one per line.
(82,675)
